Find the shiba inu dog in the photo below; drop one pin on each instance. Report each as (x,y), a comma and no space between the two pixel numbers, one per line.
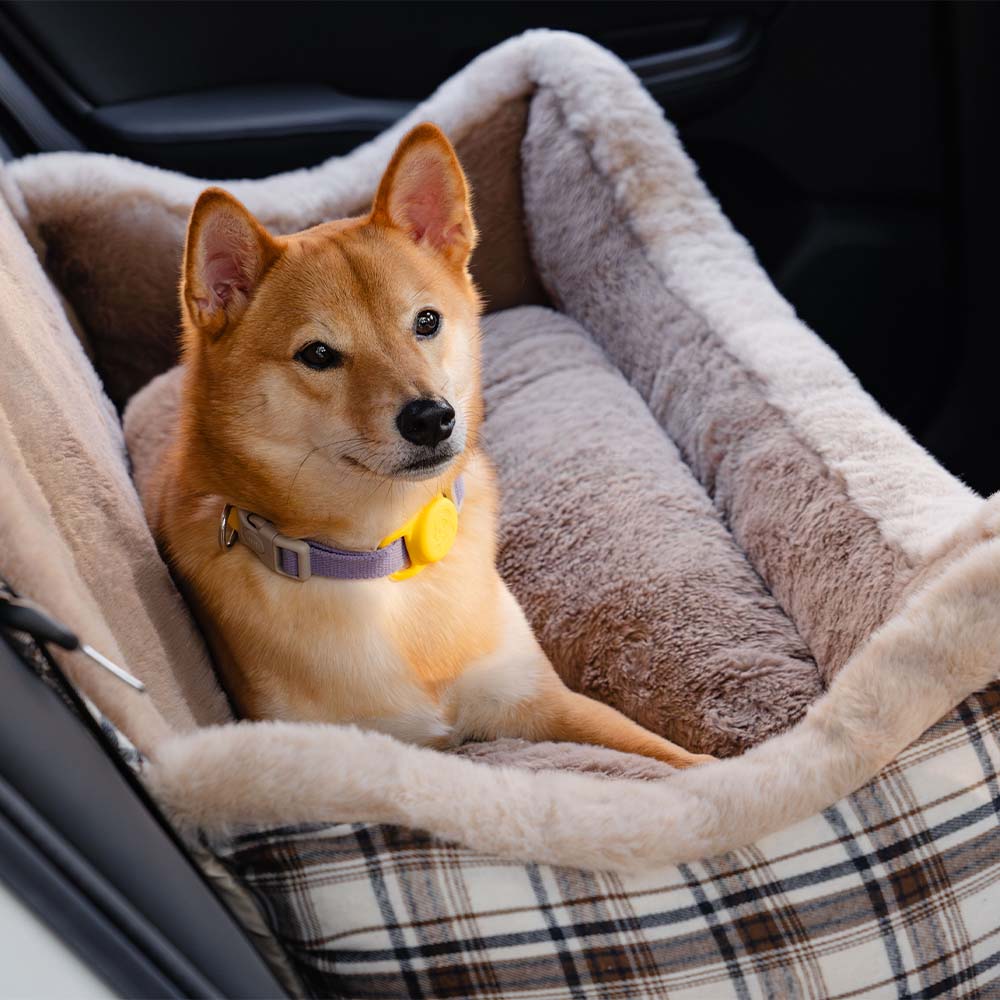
(324,501)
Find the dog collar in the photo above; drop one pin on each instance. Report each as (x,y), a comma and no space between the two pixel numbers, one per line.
(426,538)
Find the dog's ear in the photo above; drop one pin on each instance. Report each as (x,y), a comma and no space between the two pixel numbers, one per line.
(424,193)
(227,253)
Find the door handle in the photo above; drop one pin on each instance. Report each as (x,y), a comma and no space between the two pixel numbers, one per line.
(729,50)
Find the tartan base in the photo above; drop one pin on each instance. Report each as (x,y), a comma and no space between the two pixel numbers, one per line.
(894,891)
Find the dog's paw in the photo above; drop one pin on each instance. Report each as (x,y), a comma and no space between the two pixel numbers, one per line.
(697,759)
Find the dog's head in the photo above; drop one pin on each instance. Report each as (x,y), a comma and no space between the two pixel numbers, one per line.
(339,364)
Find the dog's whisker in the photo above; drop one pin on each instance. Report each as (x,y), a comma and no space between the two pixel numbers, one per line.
(252,409)
(291,485)
(311,452)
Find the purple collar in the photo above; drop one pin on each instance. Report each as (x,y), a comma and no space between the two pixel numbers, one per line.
(300,558)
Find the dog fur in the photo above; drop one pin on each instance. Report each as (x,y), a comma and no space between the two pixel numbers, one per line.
(441,658)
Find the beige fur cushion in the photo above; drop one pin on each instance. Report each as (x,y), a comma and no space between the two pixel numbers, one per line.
(635,588)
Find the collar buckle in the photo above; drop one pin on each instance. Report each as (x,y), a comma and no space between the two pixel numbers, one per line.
(267,544)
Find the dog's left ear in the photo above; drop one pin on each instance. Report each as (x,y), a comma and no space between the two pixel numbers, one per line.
(424,193)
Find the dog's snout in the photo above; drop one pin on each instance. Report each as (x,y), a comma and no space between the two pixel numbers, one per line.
(426,421)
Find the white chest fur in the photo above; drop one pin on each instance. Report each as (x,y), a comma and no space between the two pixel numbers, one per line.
(338,661)
(427,660)
(325,651)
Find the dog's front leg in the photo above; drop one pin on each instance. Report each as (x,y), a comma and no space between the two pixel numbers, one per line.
(515,692)
(561,714)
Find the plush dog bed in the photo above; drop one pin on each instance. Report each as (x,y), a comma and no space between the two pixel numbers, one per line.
(708,521)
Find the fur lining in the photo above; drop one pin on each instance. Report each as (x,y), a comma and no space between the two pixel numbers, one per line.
(824,559)
(939,649)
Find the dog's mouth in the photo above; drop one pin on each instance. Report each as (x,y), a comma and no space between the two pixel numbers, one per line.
(422,467)
(426,465)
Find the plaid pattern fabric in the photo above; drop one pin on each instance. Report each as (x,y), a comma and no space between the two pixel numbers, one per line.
(894,891)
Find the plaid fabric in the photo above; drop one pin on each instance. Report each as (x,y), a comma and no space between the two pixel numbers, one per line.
(894,892)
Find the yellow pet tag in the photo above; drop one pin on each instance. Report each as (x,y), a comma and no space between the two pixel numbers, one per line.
(429,536)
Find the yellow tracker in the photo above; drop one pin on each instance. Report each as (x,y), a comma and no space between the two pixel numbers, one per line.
(428,535)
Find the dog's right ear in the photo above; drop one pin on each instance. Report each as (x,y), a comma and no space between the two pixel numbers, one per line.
(227,253)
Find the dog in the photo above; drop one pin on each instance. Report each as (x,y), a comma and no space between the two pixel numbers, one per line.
(324,502)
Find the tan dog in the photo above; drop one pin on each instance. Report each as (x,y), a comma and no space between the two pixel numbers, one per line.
(331,393)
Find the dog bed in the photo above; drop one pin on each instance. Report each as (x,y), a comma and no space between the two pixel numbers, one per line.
(752,556)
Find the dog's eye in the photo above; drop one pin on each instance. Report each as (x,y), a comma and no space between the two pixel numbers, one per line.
(427,323)
(318,355)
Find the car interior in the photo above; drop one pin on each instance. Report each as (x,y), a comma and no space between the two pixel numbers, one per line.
(845,142)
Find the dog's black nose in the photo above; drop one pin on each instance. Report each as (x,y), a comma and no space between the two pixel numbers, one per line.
(426,421)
